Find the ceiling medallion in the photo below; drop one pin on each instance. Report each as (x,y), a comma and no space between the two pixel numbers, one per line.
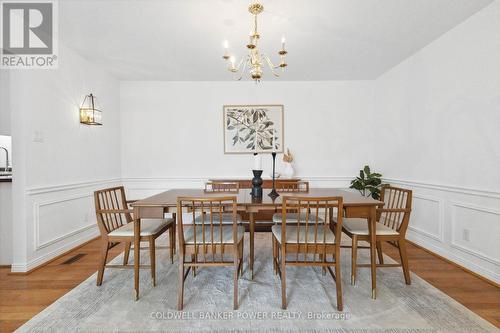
(254,59)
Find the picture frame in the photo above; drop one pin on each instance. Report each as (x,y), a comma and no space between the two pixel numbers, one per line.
(250,129)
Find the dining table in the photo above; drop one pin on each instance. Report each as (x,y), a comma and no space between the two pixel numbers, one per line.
(355,205)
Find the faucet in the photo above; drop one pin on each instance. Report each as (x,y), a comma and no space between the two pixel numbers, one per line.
(6,158)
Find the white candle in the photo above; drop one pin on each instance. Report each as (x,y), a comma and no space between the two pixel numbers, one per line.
(257,162)
(282,43)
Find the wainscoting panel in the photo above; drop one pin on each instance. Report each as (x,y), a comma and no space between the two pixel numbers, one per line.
(59,218)
(460,224)
(427,216)
(476,230)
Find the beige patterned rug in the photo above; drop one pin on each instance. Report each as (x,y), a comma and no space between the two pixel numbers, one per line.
(208,302)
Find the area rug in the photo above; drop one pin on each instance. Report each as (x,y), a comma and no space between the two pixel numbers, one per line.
(418,307)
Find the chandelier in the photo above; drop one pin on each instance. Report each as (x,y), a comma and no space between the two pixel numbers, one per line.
(254,60)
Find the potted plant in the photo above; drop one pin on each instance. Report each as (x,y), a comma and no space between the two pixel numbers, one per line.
(368,183)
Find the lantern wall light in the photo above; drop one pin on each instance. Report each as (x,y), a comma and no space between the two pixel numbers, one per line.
(90,113)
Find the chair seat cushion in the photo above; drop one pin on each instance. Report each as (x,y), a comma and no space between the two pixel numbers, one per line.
(291,234)
(292,218)
(148,227)
(359,226)
(227,234)
(227,218)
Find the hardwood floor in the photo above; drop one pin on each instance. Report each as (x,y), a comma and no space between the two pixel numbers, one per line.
(23,296)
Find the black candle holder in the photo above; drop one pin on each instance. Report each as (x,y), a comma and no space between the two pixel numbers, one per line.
(257,184)
(273,194)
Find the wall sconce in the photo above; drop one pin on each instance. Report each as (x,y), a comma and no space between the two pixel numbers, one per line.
(90,114)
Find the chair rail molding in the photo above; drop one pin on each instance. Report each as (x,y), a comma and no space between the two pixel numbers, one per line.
(70,186)
(448,188)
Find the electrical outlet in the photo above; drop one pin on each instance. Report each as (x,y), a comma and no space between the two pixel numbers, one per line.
(38,137)
(466,235)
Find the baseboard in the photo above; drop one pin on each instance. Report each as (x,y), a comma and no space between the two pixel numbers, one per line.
(26,269)
(493,283)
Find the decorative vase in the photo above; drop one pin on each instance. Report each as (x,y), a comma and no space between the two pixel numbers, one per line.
(288,171)
(257,184)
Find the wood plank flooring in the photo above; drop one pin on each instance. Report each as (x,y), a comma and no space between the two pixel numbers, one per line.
(23,296)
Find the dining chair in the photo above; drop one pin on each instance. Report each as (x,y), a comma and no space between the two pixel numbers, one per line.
(295,187)
(392,223)
(226,187)
(309,241)
(116,225)
(209,242)
(219,188)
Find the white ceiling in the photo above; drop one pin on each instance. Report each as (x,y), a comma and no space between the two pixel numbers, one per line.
(326,39)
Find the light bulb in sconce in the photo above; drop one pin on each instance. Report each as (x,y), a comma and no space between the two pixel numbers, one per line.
(225,44)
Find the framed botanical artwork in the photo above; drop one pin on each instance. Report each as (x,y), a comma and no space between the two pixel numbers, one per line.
(253,129)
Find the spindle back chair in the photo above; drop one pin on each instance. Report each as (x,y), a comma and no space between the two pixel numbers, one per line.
(115,221)
(210,240)
(222,187)
(392,224)
(299,186)
(310,240)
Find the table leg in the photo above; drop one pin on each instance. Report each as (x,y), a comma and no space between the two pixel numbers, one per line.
(252,229)
(137,251)
(372,230)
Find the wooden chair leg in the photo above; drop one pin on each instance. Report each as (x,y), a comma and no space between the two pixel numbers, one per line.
(275,255)
(193,259)
(152,259)
(404,260)
(324,267)
(180,301)
(283,279)
(102,265)
(236,270)
(380,253)
(174,239)
(242,256)
(354,258)
(171,237)
(126,254)
(338,281)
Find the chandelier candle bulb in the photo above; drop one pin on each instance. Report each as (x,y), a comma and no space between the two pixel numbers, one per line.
(232,59)
(226,50)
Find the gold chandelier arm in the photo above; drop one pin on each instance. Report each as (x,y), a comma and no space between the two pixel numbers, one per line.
(271,65)
(244,67)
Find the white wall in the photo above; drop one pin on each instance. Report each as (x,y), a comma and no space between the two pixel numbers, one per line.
(4,103)
(439,119)
(58,162)
(172,131)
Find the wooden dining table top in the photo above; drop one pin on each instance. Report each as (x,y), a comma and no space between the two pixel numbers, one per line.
(243,197)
